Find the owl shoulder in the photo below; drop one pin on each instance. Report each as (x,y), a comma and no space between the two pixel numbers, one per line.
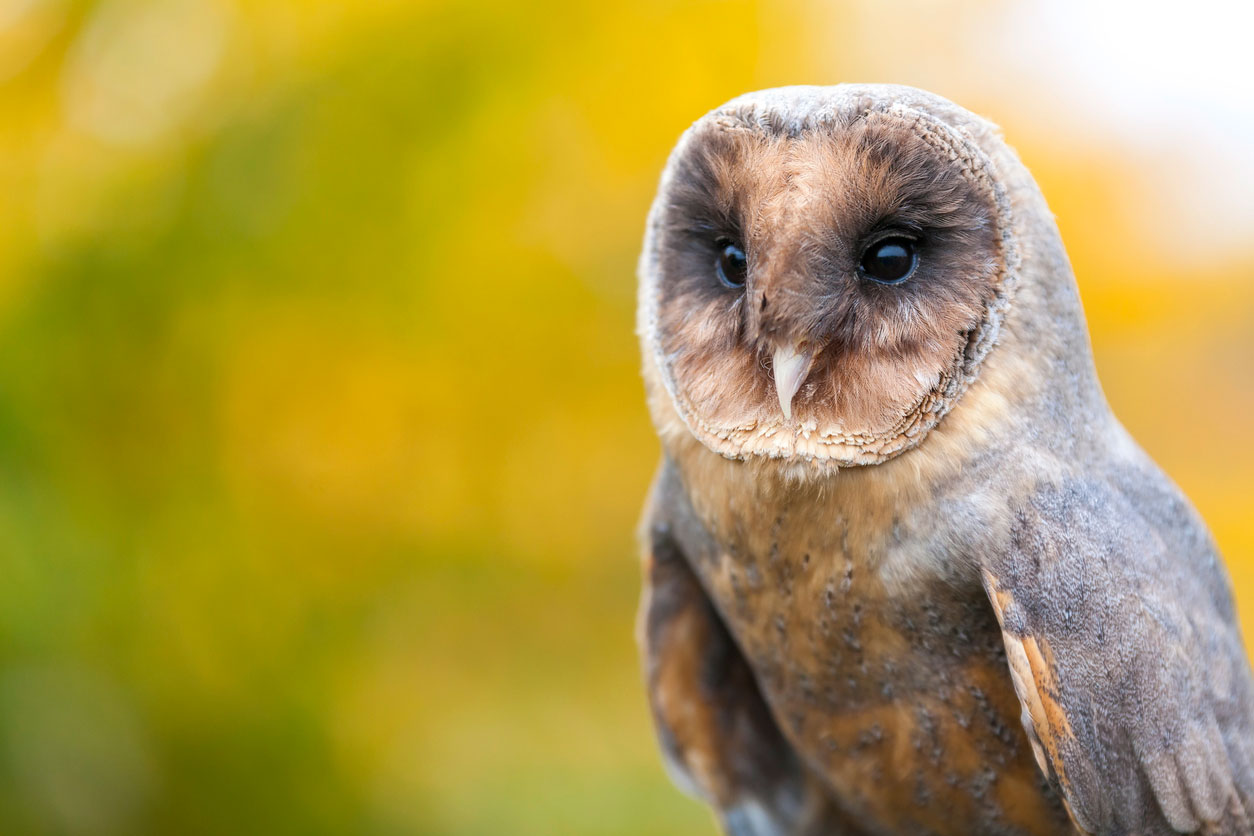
(1125,653)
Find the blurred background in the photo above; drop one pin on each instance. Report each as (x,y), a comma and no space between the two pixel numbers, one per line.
(322,440)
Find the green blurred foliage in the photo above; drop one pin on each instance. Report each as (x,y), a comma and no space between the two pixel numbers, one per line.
(321,434)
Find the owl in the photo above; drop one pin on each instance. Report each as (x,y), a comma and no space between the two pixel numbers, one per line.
(905,573)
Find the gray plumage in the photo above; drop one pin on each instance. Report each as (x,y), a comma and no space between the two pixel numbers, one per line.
(939,589)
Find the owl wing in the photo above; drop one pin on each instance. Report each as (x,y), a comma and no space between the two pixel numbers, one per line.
(1126,657)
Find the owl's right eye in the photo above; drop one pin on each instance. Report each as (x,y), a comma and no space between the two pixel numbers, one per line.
(732,265)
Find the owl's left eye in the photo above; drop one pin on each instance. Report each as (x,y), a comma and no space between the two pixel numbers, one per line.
(732,265)
(889,261)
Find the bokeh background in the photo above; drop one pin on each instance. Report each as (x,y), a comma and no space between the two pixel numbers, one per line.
(321,435)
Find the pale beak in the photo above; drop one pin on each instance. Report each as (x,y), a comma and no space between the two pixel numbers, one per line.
(791,364)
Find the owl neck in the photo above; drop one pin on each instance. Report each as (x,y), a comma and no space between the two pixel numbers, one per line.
(1034,414)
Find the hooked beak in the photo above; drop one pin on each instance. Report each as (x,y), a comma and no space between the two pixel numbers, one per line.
(791,364)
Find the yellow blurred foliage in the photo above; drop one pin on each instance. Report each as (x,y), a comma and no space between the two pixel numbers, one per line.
(322,436)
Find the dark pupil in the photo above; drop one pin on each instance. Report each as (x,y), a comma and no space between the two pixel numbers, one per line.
(732,266)
(889,261)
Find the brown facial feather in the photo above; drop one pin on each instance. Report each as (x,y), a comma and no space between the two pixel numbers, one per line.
(804,205)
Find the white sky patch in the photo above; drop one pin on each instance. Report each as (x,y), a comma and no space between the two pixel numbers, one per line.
(137,69)
(1168,86)
(1174,83)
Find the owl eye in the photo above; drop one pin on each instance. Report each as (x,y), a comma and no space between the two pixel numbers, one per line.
(732,265)
(889,260)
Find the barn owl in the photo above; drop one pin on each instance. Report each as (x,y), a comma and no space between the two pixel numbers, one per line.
(904,570)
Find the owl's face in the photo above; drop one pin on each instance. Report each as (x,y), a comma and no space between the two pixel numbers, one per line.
(820,285)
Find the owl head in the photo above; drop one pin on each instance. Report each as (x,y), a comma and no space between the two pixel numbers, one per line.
(824,271)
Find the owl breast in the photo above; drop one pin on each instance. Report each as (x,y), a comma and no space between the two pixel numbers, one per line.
(895,692)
